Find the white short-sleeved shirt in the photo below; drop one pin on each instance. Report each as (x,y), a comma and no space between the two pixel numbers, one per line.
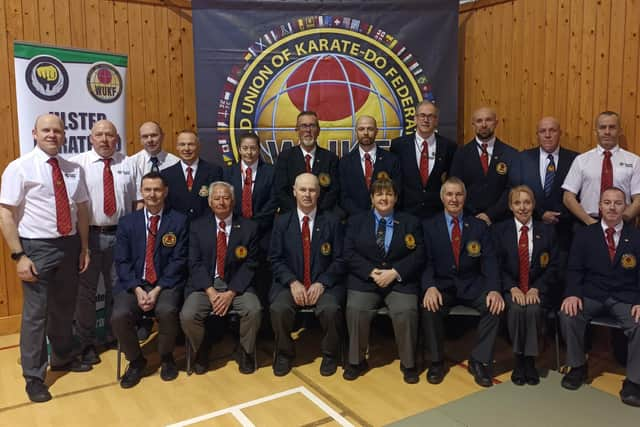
(27,183)
(586,171)
(142,160)
(125,184)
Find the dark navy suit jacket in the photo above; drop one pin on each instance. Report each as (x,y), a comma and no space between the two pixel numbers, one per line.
(354,194)
(423,202)
(240,260)
(170,255)
(478,271)
(590,272)
(192,203)
(487,193)
(405,254)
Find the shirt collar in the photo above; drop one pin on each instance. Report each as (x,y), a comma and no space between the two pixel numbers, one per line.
(519,225)
(372,152)
(193,165)
(618,226)
(148,214)
(448,217)
(378,217)
(312,153)
(601,150)
(554,153)
(311,215)
(490,143)
(431,139)
(227,221)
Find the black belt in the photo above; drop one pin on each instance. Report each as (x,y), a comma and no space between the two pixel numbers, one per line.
(104,228)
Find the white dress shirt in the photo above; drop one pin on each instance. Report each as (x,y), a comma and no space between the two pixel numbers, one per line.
(142,160)
(431,150)
(312,219)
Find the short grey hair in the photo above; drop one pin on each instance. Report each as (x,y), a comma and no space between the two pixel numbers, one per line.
(224,184)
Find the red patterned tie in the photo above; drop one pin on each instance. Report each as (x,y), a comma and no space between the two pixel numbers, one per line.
(221,249)
(307,161)
(63,212)
(189,178)
(455,240)
(108,190)
(150,274)
(484,158)
(306,251)
(247,208)
(523,255)
(611,244)
(606,180)
(424,164)
(368,169)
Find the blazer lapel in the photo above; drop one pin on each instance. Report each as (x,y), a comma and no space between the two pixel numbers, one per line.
(232,242)
(538,240)
(443,230)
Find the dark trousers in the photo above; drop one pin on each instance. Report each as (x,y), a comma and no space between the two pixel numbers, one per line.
(328,310)
(523,322)
(433,324)
(47,309)
(127,314)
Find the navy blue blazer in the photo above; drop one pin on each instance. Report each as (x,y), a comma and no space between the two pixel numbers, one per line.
(170,255)
(591,274)
(285,253)
(543,265)
(291,163)
(361,254)
(478,271)
(192,203)
(354,194)
(487,193)
(240,261)
(423,202)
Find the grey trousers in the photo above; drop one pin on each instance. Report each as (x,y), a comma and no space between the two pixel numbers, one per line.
(523,323)
(329,312)
(573,329)
(197,308)
(403,310)
(101,269)
(47,304)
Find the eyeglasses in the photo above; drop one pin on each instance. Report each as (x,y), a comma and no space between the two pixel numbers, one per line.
(423,116)
(307,126)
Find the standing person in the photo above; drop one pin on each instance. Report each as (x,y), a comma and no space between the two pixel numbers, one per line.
(152,158)
(425,162)
(112,182)
(488,167)
(45,221)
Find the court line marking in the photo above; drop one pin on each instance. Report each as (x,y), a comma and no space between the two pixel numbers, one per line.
(236,410)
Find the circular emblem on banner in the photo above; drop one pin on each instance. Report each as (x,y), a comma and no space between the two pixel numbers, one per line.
(325,249)
(104,82)
(473,248)
(340,67)
(325,179)
(241,252)
(544,259)
(410,241)
(501,168)
(628,261)
(204,191)
(47,78)
(169,240)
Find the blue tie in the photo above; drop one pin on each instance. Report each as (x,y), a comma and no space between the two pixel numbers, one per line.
(549,176)
(381,234)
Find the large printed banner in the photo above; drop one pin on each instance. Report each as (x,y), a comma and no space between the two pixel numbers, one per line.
(259,63)
(81,87)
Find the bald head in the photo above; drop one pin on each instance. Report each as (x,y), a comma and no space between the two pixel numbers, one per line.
(366,131)
(48,131)
(549,133)
(484,121)
(306,191)
(151,136)
(104,138)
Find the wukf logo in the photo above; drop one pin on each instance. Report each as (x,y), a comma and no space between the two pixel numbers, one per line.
(47,78)
(339,67)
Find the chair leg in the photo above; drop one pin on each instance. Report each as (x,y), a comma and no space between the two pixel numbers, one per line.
(118,363)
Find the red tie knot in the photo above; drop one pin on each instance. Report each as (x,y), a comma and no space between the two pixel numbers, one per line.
(308,157)
(223,226)
(247,173)
(610,231)
(524,229)
(189,170)
(305,219)
(424,147)
(607,154)
(455,220)
(367,156)
(52,161)
(484,147)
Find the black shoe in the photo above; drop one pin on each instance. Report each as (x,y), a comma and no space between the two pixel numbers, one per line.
(530,371)
(37,390)
(329,366)
(519,376)
(481,373)
(168,368)
(282,365)
(575,377)
(630,393)
(75,365)
(144,329)
(134,373)
(436,372)
(409,375)
(201,364)
(90,356)
(351,372)
(246,362)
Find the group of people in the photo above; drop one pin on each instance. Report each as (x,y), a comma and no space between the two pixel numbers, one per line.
(419,229)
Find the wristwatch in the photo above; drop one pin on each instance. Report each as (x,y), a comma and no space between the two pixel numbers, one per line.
(17,255)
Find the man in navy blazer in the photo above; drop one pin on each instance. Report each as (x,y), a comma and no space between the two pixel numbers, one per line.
(362,166)
(418,198)
(150,259)
(461,268)
(603,278)
(307,156)
(189,179)
(487,189)
(306,258)
(220,281)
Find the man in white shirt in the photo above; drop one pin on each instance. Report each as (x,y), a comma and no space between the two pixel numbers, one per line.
(152,158)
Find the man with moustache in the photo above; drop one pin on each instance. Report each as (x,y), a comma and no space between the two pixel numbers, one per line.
(361,167)
(189,179)
(307,157)
(425,160)
(152,158)
(306,258)
(112,182)
(602,278)
(602,167)
(45,221)
(488,167)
